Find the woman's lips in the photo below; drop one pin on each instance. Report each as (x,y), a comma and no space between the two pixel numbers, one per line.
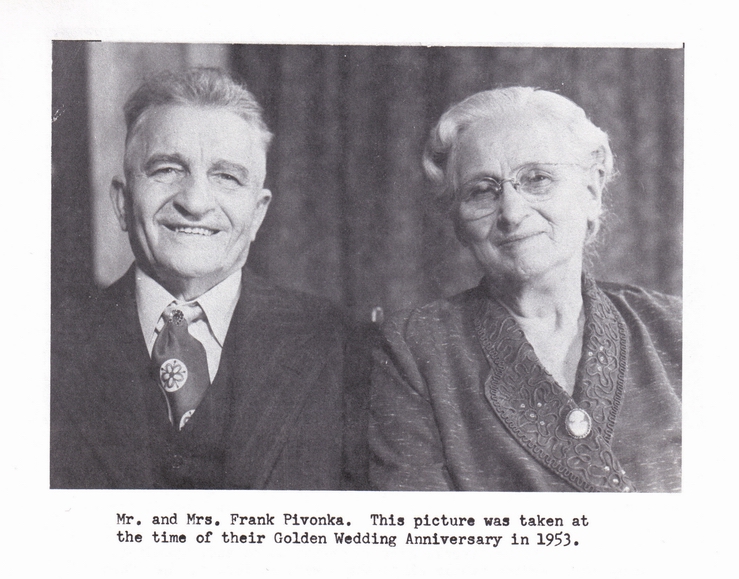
(518,237)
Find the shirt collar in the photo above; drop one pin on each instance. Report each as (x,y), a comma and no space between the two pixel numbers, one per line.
(218,304)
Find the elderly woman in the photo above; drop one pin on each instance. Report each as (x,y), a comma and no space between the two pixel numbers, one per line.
(540,378)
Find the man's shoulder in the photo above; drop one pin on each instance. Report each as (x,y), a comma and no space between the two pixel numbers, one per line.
(120,293)
(277,300)
(288,310)
(83,316)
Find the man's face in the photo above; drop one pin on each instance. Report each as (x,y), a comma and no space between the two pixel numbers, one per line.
(193,201)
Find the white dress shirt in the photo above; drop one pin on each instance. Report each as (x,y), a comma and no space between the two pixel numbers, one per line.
(218,305)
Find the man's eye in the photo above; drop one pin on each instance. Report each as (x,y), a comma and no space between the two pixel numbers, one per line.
(166,174)
(227,179)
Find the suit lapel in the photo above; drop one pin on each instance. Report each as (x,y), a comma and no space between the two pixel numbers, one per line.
(113,417)
(271,362)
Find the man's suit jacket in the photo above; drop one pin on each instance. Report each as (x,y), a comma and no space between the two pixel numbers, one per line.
(281,413)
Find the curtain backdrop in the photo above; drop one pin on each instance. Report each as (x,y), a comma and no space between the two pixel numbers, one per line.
(351,218)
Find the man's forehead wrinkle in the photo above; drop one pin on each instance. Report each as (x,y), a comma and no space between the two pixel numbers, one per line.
(232,144)
(209,165)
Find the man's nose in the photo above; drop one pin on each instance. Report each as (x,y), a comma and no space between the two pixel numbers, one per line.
(195,196)
(512,209)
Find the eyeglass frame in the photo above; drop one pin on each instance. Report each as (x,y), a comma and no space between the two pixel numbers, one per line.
(515,183)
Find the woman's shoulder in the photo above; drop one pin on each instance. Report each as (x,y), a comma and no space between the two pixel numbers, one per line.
(643,299)
(441,315)
(650,312)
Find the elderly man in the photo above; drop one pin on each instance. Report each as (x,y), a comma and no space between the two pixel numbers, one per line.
(190,371)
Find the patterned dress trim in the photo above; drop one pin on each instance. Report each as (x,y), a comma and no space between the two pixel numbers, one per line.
(570,435)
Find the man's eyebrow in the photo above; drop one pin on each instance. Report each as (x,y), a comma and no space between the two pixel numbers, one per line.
(240,171)
(161,158)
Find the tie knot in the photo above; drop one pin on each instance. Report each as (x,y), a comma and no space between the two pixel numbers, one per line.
(179,314)
(175,316)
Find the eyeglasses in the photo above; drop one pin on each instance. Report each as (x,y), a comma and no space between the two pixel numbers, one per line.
(534,182)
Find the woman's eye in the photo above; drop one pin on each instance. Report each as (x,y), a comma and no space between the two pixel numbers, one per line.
(536,180)
(483,189)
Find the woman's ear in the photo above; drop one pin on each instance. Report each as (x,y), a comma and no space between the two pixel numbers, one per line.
(597,176)
(594,200)
(596,185)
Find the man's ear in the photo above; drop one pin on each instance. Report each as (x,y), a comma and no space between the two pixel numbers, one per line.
(119,197)
(264,196)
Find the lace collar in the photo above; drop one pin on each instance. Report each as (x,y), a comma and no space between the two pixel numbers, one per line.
(570,435)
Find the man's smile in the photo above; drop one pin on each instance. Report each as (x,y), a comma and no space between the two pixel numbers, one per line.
(191,230)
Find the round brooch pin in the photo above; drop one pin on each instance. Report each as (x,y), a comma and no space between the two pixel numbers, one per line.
(578,423)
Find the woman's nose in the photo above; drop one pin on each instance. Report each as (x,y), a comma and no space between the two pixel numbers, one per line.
(195,197)
(512,209)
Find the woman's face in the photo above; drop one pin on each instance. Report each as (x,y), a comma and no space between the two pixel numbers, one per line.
(522,235)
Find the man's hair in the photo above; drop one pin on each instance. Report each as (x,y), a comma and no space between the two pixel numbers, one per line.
(439,158)
(204,87)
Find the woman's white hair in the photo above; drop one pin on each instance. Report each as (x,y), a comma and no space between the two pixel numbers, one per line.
(585,140)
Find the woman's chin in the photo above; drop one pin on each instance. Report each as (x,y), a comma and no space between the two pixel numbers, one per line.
(529,269)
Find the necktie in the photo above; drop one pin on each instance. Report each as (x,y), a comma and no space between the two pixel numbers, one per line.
(180,363)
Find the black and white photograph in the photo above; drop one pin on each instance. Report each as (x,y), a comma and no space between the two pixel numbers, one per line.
(280,277)
(409,268)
